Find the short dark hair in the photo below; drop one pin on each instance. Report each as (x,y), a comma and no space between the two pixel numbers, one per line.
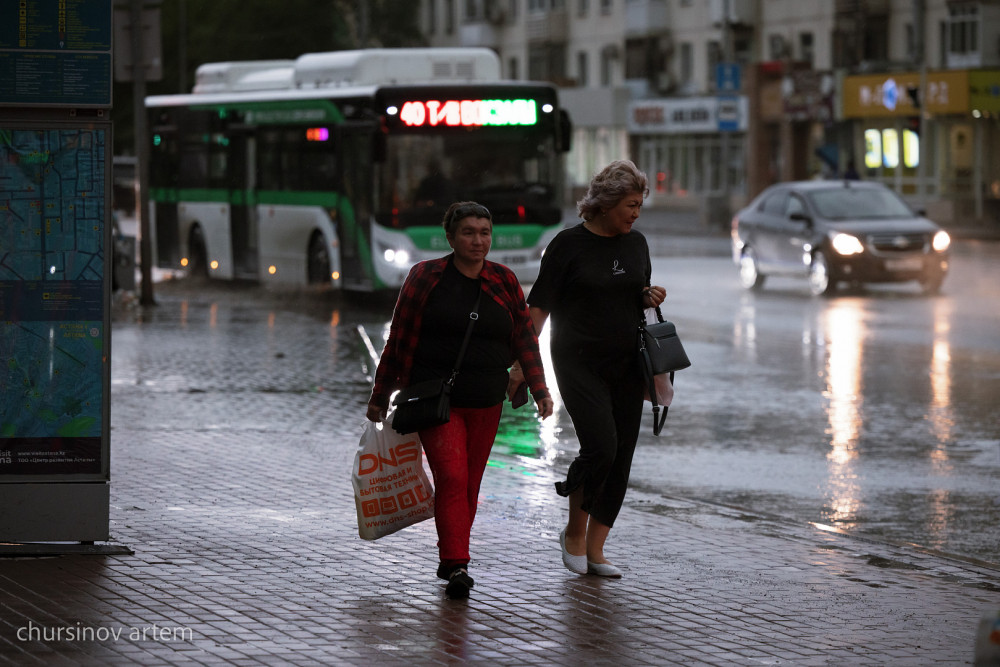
(615,182)
(461,210)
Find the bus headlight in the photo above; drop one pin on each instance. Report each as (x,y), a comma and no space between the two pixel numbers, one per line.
(845,244)
(941,241)
(397,257)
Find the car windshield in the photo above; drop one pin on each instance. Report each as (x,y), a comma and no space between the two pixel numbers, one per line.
(848,203)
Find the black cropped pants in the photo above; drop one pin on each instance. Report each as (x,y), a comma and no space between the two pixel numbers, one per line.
(604,398)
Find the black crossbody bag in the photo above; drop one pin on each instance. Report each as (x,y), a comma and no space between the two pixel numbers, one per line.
(428,404)
(660,351)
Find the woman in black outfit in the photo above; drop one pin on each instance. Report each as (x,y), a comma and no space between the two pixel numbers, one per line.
(594,282)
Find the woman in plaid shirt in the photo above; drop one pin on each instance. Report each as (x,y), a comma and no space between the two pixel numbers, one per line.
(428,325)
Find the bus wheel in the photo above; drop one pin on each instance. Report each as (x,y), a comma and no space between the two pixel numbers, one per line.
(318,270)
(197,255)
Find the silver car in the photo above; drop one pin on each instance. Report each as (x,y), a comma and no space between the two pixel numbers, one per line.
(837,231)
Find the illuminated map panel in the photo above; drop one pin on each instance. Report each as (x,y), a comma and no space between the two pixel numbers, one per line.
(52,325)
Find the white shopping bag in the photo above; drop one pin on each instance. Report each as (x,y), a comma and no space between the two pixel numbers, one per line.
(391,489)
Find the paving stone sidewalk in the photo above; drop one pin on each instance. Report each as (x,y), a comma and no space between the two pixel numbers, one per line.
(234,425)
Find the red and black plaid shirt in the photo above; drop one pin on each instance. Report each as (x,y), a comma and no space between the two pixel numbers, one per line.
(498,282)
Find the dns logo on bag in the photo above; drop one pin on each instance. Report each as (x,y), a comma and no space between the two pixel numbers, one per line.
(407,452)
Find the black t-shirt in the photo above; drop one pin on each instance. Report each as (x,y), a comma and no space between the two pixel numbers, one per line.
(482,379)
(591,285)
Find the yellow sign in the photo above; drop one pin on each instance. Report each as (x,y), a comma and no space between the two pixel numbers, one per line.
(984,90)
(894,94)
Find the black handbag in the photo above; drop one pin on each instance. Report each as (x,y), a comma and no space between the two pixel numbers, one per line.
(428,404)
(660,351)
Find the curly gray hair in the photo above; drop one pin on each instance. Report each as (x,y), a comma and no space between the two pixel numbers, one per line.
(615,182)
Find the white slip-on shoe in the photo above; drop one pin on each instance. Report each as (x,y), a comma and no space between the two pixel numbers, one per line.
(604,570)
(573,563)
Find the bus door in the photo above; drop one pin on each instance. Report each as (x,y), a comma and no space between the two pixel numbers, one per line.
(164,169)
(241,182)
(355,211)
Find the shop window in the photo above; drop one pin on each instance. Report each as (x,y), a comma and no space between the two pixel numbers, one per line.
(911,149)
(873,149)
(890,148)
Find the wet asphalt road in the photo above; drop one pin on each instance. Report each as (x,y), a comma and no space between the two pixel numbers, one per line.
(872,412)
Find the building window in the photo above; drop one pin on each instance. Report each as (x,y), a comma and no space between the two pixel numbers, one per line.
(777,47)
(582,7)
(537,5)
(964,29)
(609,54)
(449,17)
(512,72)
(686,63)
(547,61)
(806,53)
(606,7)
(515,6)
(471,11)
(713,57)
(431,17)
(581,69)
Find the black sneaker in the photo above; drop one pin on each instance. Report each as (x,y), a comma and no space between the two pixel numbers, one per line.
(459,584)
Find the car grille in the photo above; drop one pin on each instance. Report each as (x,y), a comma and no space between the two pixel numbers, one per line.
(891,243)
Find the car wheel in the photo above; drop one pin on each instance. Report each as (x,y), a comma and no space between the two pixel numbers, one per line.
(820,283)
(318,271)
(197,255)
(931,285)
(750,275)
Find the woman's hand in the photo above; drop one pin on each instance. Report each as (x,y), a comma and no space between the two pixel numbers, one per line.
(375,413)
(544,406)
(653,296)
(515,380)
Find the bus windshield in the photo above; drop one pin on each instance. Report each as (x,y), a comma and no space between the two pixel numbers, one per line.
(515,177)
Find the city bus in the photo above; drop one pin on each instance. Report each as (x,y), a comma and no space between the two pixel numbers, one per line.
(336,168)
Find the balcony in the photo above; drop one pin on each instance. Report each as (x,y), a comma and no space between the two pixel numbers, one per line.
(550,26)
(646,17)
(479,33)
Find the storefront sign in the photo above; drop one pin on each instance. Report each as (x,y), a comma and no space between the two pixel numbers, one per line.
(808,95)
(895,94)
(984,91)
(695,115)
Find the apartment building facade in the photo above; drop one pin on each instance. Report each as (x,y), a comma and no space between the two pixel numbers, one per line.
(716,99)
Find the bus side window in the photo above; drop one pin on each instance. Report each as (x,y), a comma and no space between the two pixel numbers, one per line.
(269,161)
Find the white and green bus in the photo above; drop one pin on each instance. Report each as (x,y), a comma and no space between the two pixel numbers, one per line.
(336,168)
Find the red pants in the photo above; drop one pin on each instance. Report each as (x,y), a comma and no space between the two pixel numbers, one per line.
(457,453)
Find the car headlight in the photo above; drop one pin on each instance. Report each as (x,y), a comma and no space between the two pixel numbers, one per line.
(941,241)
(845,244)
